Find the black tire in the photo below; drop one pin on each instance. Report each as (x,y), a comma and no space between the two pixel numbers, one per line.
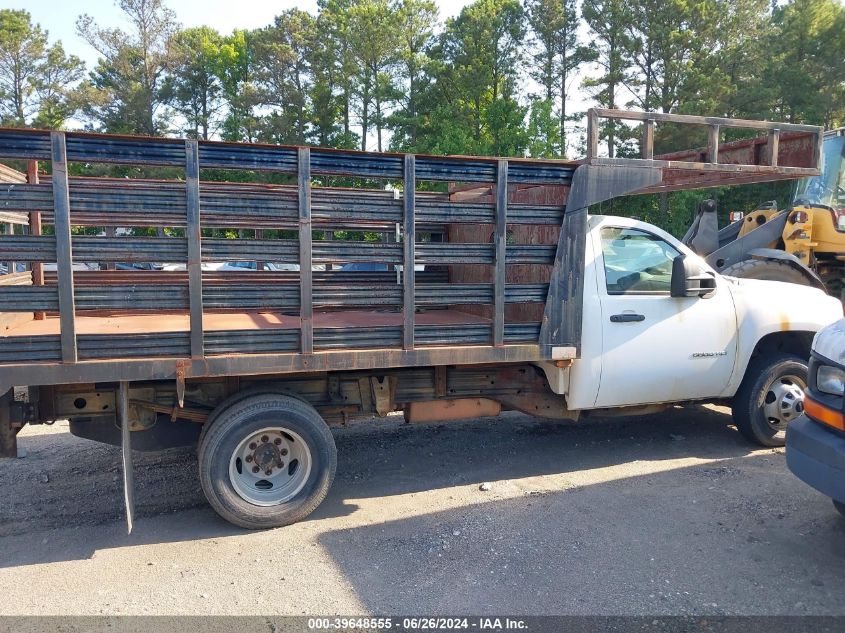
(233,425)
(243,394)
(766,269)
(764,373)
(840,507)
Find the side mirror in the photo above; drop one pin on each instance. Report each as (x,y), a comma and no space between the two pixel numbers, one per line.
(688,280)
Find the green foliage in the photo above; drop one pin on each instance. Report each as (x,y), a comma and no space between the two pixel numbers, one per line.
(197,90)
(36,79)
(236,69)
(372,38)
(543,130)
(557,52)
(129,90)
(608,21)
(805,65)
(416,21)
(283,78)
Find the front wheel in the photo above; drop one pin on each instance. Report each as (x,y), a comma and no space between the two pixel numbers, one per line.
(770,397)
(840,507)
(266,460)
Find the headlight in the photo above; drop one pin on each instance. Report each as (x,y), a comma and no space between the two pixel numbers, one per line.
(831,380)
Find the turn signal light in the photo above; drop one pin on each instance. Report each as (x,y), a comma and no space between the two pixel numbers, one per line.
(821,413)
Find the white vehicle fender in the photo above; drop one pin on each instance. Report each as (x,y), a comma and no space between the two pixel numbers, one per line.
(779,314)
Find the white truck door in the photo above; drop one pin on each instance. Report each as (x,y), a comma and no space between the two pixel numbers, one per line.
(657,348)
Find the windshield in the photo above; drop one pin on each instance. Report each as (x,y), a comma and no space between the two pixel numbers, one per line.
(828,188)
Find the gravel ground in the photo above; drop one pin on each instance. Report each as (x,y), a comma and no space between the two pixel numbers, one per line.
(668,514)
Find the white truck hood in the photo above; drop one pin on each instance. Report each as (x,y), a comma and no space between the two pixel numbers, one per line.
(830,342)
(784,306)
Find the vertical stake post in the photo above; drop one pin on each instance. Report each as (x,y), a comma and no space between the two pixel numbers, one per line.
(64,256)
(194,235)
(592,134)
(306,305)
(648,139)
(773,147)
(501,241)
(713,133)
(409,237)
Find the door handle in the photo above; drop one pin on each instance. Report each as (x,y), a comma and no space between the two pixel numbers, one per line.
(626,317)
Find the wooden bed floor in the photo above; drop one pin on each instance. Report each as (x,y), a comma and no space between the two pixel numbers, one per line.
(217,321)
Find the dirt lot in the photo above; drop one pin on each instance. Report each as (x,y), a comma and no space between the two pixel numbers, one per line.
(667,514)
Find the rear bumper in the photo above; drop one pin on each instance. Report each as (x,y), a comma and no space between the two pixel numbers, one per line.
(816,456)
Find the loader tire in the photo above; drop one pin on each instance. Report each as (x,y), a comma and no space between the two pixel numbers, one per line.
(766,269)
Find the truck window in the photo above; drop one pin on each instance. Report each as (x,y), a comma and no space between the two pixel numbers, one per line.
(636,262)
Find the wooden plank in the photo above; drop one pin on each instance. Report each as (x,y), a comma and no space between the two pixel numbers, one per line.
(306,288)
(64,257)
(713,133)
(720,170)
(409,236)
(635,115)
(13,217)
(648,139)
(773,148)
(500,242)
(192,201)
(592,134)
(817,149)
(7,174)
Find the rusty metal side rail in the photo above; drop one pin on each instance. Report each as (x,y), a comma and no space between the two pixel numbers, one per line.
(192,205)
(711,171)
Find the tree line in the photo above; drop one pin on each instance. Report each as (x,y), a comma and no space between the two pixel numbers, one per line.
(500,78)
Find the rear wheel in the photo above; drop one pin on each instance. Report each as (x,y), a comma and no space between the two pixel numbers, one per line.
(766,269)
(266,460)
(770,397)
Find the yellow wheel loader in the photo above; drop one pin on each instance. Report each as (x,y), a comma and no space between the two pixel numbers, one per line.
(803,244)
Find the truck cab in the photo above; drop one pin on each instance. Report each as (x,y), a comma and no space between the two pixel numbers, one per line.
(647,339)
(815,442)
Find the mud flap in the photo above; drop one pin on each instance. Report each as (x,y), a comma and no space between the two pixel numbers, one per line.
(126,444)
(8,433)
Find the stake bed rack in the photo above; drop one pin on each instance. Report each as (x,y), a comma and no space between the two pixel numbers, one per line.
(491,273)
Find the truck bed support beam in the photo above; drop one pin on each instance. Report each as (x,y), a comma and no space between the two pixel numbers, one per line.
(409,238)
(501,240)
(306,305)
(193,233)
(64,257)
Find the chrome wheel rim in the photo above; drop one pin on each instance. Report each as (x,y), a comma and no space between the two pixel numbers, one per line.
(783,400)
(270,466)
